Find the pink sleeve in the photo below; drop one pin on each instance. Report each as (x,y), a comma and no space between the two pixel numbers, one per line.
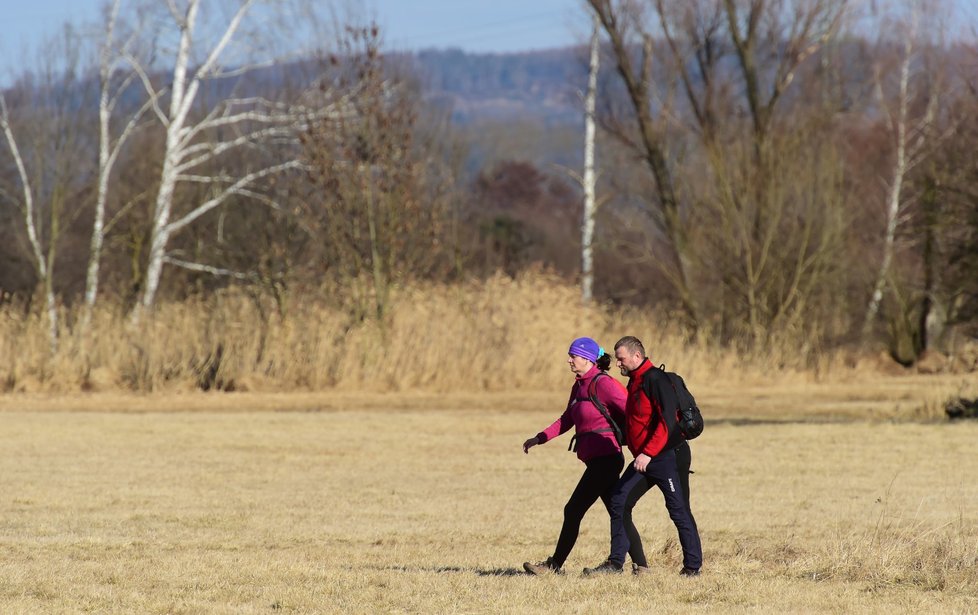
(559,426)
(613,395)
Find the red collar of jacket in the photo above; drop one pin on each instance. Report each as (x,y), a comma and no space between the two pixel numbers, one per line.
(640,371)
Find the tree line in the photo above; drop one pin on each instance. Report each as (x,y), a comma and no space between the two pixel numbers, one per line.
(768,172)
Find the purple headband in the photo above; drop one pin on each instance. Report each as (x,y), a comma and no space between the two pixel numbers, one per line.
(586,348)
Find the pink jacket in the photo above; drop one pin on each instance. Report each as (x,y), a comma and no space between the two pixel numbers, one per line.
(584,416)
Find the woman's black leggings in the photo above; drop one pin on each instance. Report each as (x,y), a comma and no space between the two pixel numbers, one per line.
(598,481)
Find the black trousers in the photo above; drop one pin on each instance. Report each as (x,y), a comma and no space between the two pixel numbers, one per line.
(662,472)
(597,482)
(684,458)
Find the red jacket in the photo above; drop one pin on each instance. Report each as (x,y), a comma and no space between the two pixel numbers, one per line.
(647,432)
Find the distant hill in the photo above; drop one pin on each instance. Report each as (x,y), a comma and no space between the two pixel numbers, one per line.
(534,86)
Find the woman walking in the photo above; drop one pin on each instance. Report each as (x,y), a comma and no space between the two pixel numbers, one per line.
(594,441)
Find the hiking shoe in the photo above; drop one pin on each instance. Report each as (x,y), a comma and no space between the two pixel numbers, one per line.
(542,568)
(605,567)
(640,570)
(689,572)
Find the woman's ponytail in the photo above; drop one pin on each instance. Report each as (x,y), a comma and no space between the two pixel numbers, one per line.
(604,362)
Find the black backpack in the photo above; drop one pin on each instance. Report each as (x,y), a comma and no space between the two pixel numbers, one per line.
(679,410)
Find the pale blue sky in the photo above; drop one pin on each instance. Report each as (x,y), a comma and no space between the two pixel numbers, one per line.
(481,25)
(473,25)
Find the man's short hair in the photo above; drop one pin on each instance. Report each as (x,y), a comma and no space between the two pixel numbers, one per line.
(631,344)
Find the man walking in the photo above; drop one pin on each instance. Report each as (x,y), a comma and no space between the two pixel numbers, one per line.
(655,465)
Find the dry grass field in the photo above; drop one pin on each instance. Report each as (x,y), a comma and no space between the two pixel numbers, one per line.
(810,498)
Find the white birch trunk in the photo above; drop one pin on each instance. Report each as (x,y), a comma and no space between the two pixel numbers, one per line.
(52,310)
(98,224)
(894,193)
(27,209)
(160,235)
(889,239)
(107,155)
(587,230)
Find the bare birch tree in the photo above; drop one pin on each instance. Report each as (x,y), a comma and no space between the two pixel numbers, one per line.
(197,138)
(44,140)
(42,264)
(590,206)
(910,136)
(115,79)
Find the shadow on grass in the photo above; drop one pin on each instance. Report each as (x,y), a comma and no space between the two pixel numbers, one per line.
(482,572)
(745,421)
(501,572)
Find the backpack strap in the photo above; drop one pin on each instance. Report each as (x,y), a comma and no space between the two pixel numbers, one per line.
(593,398)
(573,441)
(592,391)
(647,389)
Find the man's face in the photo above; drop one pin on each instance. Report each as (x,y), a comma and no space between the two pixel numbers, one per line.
(627,360)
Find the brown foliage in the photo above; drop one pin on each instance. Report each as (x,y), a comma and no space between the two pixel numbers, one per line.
(382,201)
(522,216)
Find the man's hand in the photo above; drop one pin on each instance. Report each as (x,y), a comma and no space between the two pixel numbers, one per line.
(641,462)
(530,444)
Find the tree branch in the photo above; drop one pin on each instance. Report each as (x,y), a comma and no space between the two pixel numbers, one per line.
(153,94)
(217,271)
(237,188)
(212,151)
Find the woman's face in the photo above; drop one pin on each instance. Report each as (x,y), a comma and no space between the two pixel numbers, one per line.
(578,365)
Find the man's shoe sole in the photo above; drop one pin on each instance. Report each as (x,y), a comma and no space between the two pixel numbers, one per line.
(593,572)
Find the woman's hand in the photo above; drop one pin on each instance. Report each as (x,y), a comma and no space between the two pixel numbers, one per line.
(530,444)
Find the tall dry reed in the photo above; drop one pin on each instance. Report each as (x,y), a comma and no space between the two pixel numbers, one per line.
(501,334)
